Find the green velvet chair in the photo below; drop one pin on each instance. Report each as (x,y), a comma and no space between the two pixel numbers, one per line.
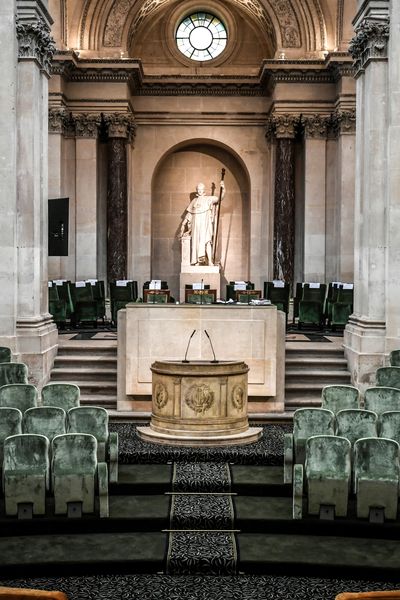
(26,474)
(5,354)
(339,397)
(278,295)
(298,488)
(13,373)
(57,306)
(388,377)
(311,307)
(231,292)
(376,476)
(45,420)
(307,422)
(390,425)
(63,395)
(94,420)
(328,473)
(64,294)
(84,303)
(76,475)
(298,294)
(98,291)
(394,358)
(10,424)
(19,395)
(121,295)
(331,297)
(354,424)
(381,399)
(342,308)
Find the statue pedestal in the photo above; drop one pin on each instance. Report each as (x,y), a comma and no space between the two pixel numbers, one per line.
(210,275)
(195,274)
(199,403)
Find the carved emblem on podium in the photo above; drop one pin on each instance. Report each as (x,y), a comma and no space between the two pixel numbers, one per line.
(160,395)
(199,398)
(238,397)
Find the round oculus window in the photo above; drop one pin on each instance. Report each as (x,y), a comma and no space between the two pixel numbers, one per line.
(201,36)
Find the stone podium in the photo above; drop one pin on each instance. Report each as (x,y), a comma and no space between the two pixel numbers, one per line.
(199,403)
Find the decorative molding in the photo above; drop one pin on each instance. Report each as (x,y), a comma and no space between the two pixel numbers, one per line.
(199,398)
(370,42)
(86,124)
(238,397)
(316,126)
(58,119)
(120,125)
(35,42)
(282,125)
(160,395)
(344,122)
(288,24)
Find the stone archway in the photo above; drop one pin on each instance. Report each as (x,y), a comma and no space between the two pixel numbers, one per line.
(174,184)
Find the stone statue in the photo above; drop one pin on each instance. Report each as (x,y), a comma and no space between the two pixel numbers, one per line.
(199,224)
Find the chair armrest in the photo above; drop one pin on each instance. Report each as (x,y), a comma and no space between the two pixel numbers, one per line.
(298,474)
(102,484)
(113,456)
(288,458)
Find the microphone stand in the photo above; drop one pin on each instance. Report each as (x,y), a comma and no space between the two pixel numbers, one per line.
(187,347)
(212,347)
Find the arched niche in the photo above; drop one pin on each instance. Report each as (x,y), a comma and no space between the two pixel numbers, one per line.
(174,185)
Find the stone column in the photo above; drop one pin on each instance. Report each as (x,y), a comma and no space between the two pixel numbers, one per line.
(366,332)
(36,332)
(345,122)
(120,131)
(8,174)
(284,197)
(315,135)
(86,131)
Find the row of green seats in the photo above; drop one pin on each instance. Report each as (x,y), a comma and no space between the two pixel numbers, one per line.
(330,468)
(67,469)
(52,420)
(25,395)
(318,303)
(378,399)
(81,301)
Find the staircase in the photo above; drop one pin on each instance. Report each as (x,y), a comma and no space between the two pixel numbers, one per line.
(92,366)
(309,367)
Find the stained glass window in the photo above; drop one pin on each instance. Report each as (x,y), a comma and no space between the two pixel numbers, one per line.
(201,36)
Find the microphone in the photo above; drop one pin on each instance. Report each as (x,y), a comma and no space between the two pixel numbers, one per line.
(187,347)
(212,347)
(201,291)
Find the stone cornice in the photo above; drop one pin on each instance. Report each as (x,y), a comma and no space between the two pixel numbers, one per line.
(35,42)
(370,42)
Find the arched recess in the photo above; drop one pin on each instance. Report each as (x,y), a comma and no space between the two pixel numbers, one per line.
(299,26)
(173,186)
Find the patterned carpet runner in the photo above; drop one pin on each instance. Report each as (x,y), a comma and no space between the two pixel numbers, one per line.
(202,539)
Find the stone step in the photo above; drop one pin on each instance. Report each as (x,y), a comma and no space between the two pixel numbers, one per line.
(317,362)
(323,374)
(84,374)
(87,348)
(109,402)
(304,353)
(94,386)
(86,359)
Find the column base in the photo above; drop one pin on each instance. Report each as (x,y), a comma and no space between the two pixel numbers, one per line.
(364,347)
(36,346)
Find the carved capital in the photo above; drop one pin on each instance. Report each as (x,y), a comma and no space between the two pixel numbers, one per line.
(121,125)
(86,124)
(58,119)
(282,126)
(370,42)
(344,122)
(316,126)
(35,42)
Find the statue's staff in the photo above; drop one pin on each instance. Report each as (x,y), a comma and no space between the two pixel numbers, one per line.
(215,240)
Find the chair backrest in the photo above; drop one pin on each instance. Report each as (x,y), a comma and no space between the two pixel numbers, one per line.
(13,373)
(45,420)
(390,425)
(314,294)
(339,397)
(19,395)
(388,377)
(5,354)
(308,422)
(353,424)
(345,296)
(64,395)
(382,399)
(394,358)
(328,456)
(74,454)
(10,422)
(376,458)
(89,419)
(26,452)
(123,293)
